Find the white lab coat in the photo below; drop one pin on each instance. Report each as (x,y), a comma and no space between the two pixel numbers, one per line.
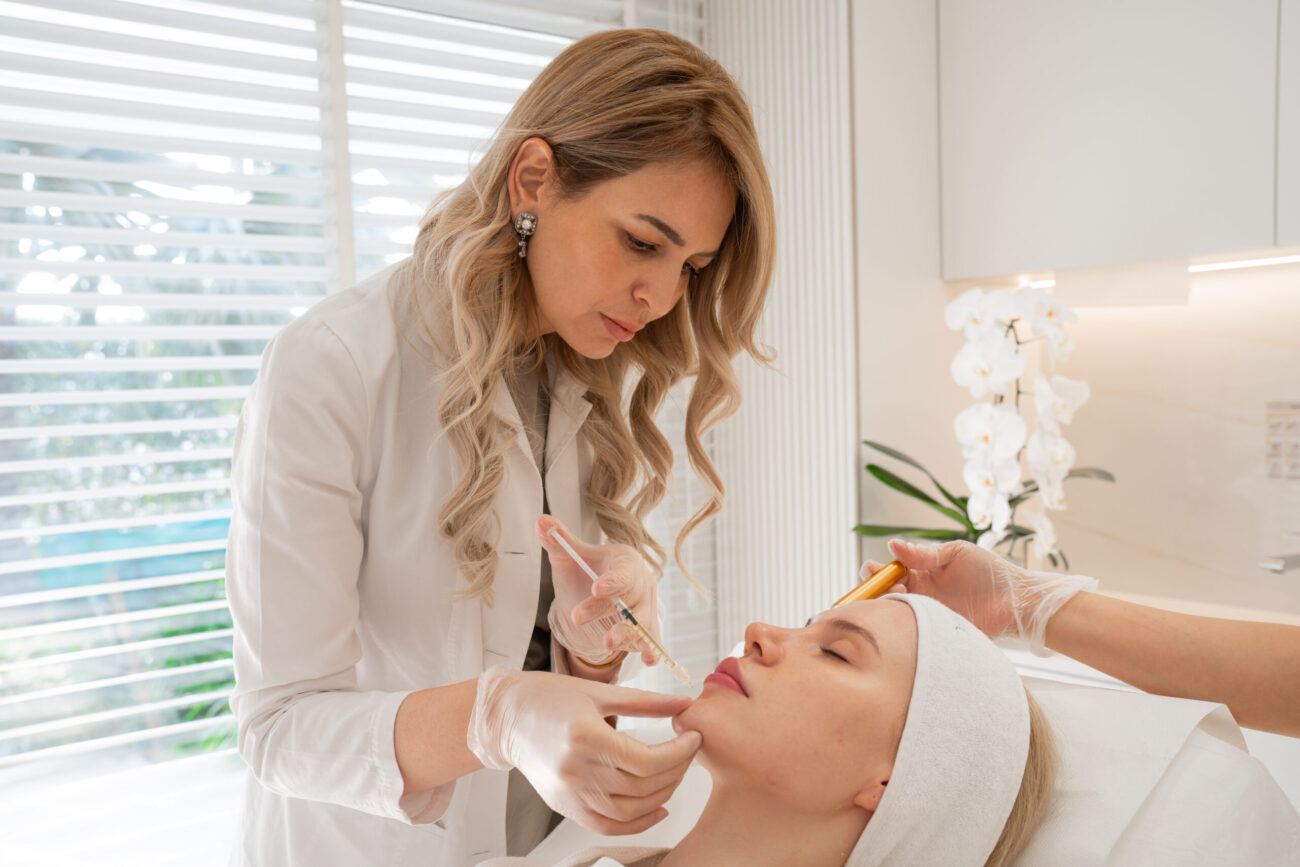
(341,586)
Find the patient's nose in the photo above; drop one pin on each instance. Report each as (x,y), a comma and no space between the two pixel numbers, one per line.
(764,642)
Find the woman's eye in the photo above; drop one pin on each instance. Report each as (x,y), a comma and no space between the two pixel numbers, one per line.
(829,652)
(646,247)
(638,244)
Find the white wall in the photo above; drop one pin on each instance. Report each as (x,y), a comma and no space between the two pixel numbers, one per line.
(1177,413)
(907,399)
(785,546)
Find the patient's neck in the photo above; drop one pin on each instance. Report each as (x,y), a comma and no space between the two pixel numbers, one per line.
(740,826)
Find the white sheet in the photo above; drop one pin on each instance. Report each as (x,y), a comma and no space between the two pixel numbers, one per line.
(1151,780)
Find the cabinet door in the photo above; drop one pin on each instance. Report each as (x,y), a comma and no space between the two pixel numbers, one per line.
(1288,126)
(1078,133)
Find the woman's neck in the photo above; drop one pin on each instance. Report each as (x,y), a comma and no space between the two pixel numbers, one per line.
(739,827)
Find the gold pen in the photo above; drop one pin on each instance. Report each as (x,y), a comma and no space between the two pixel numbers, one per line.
(877,584)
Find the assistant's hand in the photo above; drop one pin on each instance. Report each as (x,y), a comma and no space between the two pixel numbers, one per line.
(583,617)
(552,728)
(990,591)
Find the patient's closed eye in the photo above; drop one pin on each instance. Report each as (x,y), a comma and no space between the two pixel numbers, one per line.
(829,652)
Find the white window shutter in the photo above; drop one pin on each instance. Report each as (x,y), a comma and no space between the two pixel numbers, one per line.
(178,180)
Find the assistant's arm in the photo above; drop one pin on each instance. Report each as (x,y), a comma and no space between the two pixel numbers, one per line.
(1253,668)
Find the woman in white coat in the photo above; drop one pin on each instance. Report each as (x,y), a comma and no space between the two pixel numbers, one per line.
(398,623)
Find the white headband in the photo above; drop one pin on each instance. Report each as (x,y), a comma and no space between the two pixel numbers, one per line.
(962,754)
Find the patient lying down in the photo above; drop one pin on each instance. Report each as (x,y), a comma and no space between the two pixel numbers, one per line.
(884,732)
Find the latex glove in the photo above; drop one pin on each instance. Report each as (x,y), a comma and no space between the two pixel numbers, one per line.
(583,617)
(990,591)
(552,728)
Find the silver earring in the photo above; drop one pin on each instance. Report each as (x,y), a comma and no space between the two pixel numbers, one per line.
(525,225)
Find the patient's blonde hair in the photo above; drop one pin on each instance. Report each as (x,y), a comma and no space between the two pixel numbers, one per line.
(608,105)
(1036,784)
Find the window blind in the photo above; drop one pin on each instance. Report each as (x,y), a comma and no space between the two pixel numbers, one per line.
(178,180)
(162,214)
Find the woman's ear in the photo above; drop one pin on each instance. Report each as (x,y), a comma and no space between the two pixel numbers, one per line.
(531,170)
(869,797)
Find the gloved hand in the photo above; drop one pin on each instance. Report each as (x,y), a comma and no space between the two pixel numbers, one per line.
(552,728)
(988,590)
(583,617)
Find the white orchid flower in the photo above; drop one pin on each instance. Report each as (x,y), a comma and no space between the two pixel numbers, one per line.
(989,510)
(979,314)
(989,540)
(1050,457)
(983,474)
(1044,313)
(1051,492)
(1044,534)
(988,429)
(1059,346)
(1048,454)
(989,365)
(1057,400)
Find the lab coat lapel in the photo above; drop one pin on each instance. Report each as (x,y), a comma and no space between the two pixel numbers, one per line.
(507,622)
(568,464)
(505,408)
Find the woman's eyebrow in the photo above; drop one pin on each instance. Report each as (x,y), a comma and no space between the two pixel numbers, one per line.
(670,233)
(841,625)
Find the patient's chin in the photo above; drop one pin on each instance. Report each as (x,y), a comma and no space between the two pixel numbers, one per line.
(685,721)
(701,715)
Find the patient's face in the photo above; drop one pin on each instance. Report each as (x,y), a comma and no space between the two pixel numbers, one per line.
(811,715)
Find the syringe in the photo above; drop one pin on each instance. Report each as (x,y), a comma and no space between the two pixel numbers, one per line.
(658,649)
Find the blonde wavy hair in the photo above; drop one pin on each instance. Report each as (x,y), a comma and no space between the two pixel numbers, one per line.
(1034,797)
(607,106)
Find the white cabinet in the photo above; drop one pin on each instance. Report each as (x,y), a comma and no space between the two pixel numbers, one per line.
(1288,126)
(1078,133)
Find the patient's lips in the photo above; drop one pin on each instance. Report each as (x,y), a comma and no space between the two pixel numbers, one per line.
(727,675)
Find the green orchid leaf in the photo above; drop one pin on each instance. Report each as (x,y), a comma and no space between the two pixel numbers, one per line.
(1091,473)
(876,530)
(1052,558)
(1031,488)
(1064,560)
(906,487)
(959,502)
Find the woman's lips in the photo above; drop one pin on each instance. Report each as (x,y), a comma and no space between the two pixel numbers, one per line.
(618,330)
(727,675)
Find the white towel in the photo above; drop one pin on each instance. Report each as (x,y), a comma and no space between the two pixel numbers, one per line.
(962,753)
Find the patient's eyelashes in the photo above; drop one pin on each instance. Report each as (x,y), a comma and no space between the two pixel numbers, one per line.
(829,652)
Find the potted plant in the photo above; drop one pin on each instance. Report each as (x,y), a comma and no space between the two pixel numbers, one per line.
(995,440)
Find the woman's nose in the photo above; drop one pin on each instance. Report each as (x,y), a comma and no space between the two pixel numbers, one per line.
(764,642)
(658,291)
